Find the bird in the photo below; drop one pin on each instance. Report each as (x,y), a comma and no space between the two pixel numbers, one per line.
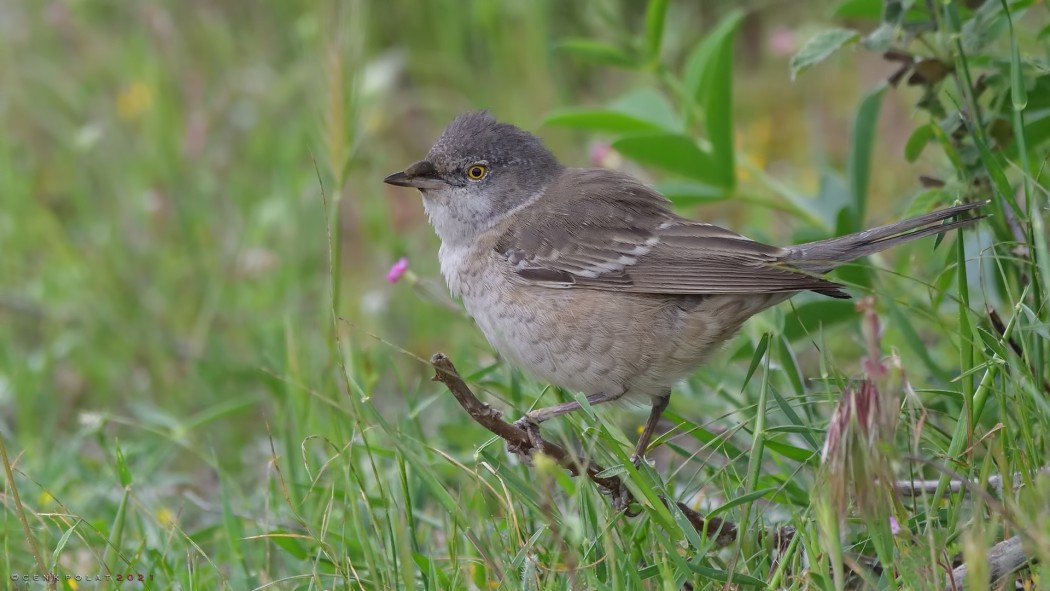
(587,279)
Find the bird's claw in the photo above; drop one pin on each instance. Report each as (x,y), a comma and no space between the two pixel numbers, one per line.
(535,441)
(621,499)
(639,461)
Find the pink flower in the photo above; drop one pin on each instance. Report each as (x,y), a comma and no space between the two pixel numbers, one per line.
(397,270)
(895,526)
(783,42)
(602,155)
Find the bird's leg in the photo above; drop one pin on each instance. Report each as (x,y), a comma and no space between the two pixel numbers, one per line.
(650,427)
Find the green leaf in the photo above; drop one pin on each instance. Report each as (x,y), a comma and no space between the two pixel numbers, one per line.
(924,202)
(1018,93)
(736,502)
(709,78)
(648,104)
(426,565)
(290,543)
(802,456)
(756,359)
(725,576)
(597,52)
(638,111)
(719,442)
(860,153)
(599,120)
(901,322)
(809,317)
(690,193)
(704,55)
(880,39)
(123,472)
(820,47)
(861,9)
(792,416)
(234,534)
(917,142)
(675,153)
(61,545)
(655,15)
(832,198)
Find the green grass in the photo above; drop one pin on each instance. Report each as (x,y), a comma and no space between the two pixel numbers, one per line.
(205,378)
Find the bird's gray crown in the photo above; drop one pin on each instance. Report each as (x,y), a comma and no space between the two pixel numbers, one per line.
(477,136)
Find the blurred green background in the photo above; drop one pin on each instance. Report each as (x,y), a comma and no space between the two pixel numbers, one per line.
(164,251)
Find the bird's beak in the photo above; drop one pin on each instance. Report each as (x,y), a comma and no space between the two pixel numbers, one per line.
(421,175)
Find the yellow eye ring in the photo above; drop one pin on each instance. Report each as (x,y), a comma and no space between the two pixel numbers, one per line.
(476,172)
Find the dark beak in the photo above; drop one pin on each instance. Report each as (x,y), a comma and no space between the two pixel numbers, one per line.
(421,175)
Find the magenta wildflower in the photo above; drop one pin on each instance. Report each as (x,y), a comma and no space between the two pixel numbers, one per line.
(895,526)
(397,270)
(783,41)
(602,155)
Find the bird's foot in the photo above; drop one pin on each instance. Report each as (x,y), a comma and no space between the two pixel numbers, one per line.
(621,499)
(639,460)
(535,441)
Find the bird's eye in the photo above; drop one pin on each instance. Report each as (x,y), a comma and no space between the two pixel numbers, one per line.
(476,172)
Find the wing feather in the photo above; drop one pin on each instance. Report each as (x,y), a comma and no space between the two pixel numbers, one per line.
(607,231)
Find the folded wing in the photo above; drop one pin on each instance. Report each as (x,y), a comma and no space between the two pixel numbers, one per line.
(610,232)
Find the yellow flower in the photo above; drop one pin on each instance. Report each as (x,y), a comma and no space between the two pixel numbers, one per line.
(165,516)
(134,100)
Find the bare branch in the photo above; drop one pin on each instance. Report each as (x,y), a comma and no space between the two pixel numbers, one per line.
(1003,559)
(725,532)
(914,488)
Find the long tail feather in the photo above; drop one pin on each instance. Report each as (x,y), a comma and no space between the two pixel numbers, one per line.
(825,255)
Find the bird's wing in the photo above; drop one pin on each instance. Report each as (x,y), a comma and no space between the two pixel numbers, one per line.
(607,231)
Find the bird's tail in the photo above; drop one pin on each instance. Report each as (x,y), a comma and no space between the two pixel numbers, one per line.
(824,255)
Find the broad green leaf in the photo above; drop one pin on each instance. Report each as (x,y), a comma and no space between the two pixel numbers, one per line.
(924,202)
(675,153)
(290,543)
(832,198)
(807,319)
(1036,100)
(599,120)
(802,456)
(862,9)
(917,142)
(655,15)
(700,61)
(648,104)
(597,52)
(880,39)
(638,111)
(690,193)
(820,47)
(426,565)
(860,153)
(709,78)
